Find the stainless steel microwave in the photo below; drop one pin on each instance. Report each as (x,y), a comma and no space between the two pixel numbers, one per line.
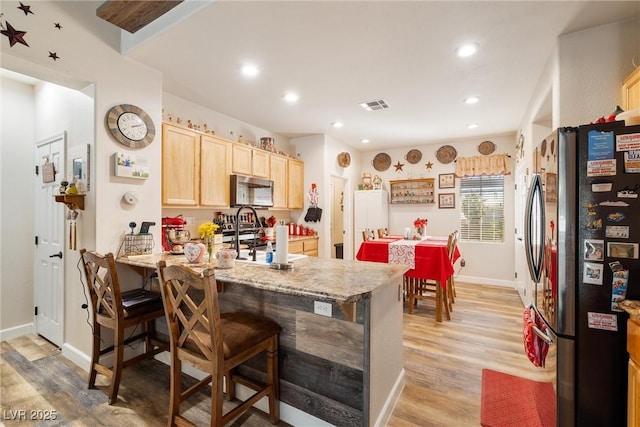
(249,191)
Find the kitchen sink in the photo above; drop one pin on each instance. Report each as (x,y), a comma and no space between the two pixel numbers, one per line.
(261,257)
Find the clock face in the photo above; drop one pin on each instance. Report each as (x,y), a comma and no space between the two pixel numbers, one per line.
(130,126)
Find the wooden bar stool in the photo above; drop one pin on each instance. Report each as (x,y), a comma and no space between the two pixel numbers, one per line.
(215,343)
(108,311)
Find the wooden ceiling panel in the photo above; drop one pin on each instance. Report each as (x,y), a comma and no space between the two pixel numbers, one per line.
(132,15)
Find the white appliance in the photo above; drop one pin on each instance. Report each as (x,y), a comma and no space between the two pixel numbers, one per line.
(370,210)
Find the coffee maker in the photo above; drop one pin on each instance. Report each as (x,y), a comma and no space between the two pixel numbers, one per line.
(172,232)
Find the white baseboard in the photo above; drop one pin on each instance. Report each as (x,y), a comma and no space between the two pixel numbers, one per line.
(486,281)
(17,331)
(390,403)
(76,356)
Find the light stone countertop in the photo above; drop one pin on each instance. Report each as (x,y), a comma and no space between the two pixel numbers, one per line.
(632,307)
(341,281)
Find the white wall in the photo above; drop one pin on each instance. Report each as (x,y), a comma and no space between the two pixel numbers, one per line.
(88,51)
(16,207)
(490,263)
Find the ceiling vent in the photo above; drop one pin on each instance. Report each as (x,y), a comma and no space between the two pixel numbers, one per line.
(380,104)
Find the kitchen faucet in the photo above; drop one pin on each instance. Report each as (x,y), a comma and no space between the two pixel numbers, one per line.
(257,222)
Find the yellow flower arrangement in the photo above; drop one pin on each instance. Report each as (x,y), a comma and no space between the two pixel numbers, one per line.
(207,229)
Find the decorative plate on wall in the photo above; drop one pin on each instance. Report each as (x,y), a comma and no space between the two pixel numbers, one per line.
(446,154)
(381,162)
(413,156)
(486,147)
(344,159)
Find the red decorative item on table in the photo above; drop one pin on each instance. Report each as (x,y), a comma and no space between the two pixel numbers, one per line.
(420,222)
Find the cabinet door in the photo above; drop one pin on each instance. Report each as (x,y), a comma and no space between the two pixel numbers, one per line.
(631,91)
(279,177)
(180,166)
(296,247)
(241,159)
(310,247)
(215,164)
(633,395)
(295,186)
(260,164)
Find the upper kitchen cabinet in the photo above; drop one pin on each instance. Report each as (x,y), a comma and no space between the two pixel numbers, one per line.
(278,174)
(215,165)
(249,161)
(295,184)
(631,91)
(180,166)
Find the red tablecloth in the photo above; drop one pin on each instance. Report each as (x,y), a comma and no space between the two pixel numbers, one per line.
(432,260)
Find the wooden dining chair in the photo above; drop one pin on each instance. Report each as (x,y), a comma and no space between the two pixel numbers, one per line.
(419,289)
(451,284)
(382,232)
(108,311)
(215,343)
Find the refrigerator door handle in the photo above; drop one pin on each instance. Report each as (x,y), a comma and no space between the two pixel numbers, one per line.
(534,229)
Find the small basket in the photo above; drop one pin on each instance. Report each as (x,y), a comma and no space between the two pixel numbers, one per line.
(138,244)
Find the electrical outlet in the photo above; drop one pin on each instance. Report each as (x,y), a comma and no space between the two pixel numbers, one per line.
(462,262)
(322,308)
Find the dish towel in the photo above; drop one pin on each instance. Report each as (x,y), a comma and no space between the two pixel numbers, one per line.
(535,347)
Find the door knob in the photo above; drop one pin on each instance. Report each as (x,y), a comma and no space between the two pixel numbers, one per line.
(59,255)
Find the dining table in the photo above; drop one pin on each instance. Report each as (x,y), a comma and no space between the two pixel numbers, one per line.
(426,258)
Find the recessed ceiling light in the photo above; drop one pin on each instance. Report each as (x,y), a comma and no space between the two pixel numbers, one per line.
(337,124)
(249,70)
(472,100)
(291,97)
(467,50)
(472,125)
(364,141)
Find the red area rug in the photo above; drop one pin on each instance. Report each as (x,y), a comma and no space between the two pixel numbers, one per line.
(509,401)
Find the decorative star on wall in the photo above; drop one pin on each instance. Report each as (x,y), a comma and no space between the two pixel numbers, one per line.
(53,55)
(57,25)
(398,166)
(428,165)
(14,36)
(25,8)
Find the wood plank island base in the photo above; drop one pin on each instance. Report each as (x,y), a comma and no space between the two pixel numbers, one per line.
(344,367)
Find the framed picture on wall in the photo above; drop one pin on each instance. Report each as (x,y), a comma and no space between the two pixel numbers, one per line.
(446,200)
(447,180)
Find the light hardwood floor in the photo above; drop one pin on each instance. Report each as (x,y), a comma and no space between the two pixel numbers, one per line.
(443,364)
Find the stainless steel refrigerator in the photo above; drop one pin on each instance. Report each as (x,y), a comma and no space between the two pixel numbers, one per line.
(582,229)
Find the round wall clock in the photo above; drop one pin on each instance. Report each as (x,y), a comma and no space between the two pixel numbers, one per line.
(131,126)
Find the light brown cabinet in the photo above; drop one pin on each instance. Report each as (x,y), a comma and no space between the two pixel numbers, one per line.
(633,392)
(215,164)
(250,161)
(180,166)
(295,184)
(307,247)
(196,169)
(631,91)
(279,173)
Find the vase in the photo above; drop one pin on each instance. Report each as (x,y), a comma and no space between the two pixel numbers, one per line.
(209,244)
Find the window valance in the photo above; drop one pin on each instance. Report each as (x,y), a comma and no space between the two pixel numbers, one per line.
(495,164)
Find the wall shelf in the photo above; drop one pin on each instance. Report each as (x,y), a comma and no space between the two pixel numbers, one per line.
(412,191)
(73,201)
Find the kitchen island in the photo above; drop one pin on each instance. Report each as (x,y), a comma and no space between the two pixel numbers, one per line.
(341,339)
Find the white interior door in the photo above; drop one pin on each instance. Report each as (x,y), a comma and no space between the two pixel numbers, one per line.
(49,251)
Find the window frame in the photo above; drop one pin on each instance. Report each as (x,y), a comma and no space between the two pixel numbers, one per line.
(489,225)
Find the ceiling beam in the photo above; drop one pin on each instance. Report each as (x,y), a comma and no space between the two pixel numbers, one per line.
(132,15)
